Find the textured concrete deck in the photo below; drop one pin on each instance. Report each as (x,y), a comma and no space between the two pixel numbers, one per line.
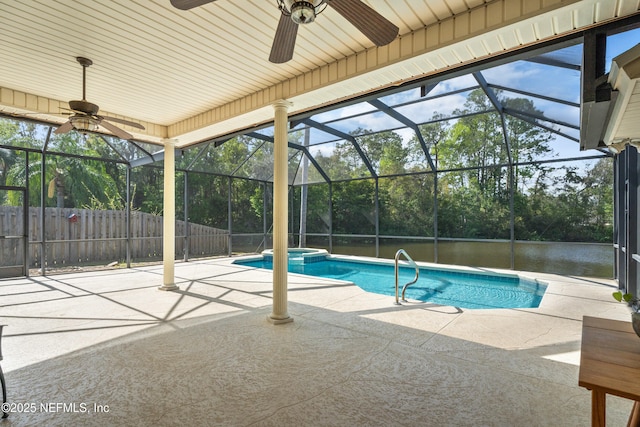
(108,348)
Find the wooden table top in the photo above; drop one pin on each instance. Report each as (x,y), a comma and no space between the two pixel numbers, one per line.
(610,357)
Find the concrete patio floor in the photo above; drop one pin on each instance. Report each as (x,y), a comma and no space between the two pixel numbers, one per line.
(108,348)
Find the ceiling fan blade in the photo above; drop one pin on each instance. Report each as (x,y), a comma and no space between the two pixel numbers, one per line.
(284,40)
(64,128)
(122,122)
(376,27)
(189,4)
(120,133)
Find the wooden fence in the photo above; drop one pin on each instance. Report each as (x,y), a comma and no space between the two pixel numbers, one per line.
(83,236)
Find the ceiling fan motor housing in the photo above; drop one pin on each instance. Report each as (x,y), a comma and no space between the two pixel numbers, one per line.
(84,107)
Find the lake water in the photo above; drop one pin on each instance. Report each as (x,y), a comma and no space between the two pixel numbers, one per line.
(579,259)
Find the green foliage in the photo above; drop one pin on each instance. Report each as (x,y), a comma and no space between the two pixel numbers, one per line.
(354,207)
(318,218)
(208,199)
(629,299)
(407,205)
(244,217)
(553,201)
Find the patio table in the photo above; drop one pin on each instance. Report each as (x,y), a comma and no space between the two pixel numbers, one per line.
(610,363)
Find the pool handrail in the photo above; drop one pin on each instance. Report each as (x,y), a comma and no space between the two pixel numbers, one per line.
(411,262)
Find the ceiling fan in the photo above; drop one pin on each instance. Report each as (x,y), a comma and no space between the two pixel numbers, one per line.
(85,114)
(370,23)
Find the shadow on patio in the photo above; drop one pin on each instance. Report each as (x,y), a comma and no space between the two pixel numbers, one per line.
(106,347)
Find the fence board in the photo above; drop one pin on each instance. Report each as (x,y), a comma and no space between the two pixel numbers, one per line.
(99,236)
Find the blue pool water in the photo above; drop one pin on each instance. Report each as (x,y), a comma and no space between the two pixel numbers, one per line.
(445,287)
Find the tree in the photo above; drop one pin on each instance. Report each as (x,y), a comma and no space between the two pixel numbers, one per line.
(474,197)
(76,182)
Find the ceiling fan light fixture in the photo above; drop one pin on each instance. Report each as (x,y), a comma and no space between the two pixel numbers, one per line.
(301,12)
(84,124)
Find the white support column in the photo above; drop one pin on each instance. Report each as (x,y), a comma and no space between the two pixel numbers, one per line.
(169,218)
(280,231)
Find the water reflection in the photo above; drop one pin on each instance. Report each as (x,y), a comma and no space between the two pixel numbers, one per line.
(578,259)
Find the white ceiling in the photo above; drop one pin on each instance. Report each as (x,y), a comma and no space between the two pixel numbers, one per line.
(193,75)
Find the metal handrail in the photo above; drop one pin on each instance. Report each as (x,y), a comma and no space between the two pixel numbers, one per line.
(411,261)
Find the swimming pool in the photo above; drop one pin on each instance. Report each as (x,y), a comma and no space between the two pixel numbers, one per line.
(444,286)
